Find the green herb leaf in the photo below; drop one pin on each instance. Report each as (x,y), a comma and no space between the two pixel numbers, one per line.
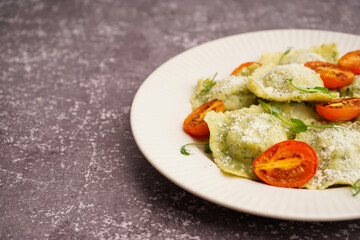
(312,90)
(284,54)
(298,129)
(186,152)
(298,122)
(300,126)
(207,148)
(210,84)
(297,125)
(275,109)
(325,90)
(356,187)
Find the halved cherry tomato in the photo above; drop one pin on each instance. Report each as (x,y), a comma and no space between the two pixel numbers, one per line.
(343,109)
(195,125)
(351,61)
(332,75)
(244,65)
(286,164)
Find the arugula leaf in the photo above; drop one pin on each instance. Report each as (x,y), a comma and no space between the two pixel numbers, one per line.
(312,90)
(297,125)
(186,152)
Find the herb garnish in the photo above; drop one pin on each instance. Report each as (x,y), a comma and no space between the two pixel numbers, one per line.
(210,84)
(356,187)
(312,90)
(186,152)
(297,125)
(284,54)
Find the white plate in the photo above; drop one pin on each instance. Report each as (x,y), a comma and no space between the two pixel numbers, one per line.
(163,101)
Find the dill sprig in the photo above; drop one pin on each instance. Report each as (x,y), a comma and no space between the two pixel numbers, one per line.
(312,90)
(186,152)
(297,125)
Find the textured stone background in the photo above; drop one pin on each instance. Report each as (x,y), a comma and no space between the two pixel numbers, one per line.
(69,70)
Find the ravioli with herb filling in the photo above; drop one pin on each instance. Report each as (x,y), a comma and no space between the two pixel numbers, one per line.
(299,110)
(351,90)
(232,90)
(238,137)
(272,83)
(325,52)
(302,58)
(338,152)
(329,51)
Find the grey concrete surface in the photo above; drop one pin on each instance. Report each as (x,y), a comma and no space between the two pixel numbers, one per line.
(69,70)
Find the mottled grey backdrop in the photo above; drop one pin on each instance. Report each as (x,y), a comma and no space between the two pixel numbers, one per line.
(69,70)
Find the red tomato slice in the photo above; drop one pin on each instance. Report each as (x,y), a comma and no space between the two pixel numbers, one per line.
(286,164)
(351,61)
(343,109)
(332,75)
(244,65)
(195,125)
